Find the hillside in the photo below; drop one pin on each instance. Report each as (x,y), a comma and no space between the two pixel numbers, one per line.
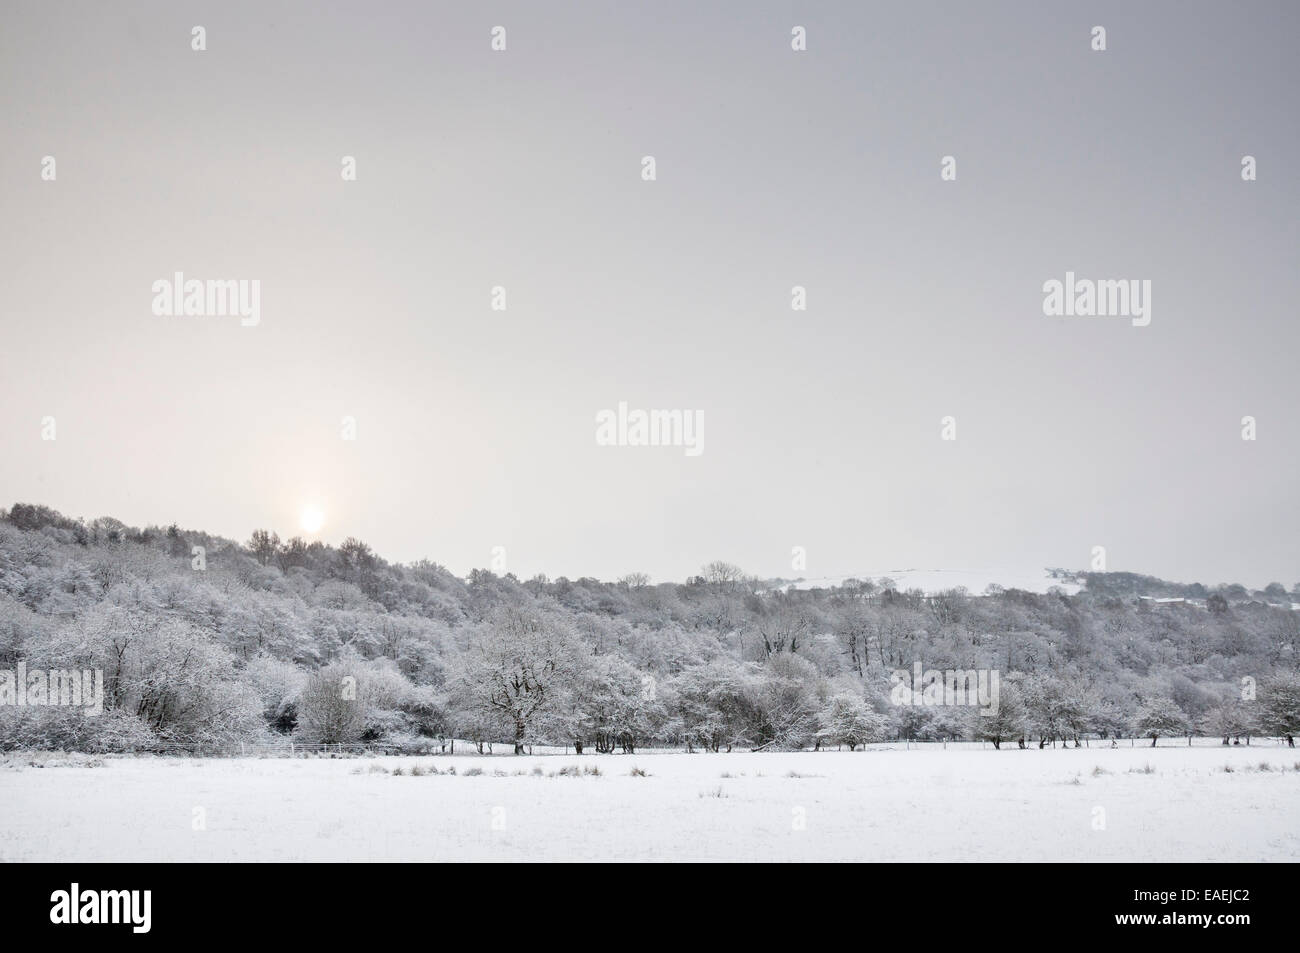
(206,642)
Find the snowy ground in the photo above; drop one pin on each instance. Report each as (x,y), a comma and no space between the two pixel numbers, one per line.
(888,804)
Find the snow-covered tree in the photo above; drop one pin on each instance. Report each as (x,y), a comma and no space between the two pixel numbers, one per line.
(516,666)
(1158,718)
(848,720)
(1279,704)
(330,709)
(1010,719)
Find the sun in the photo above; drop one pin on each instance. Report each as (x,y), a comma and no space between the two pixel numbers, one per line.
(311,519)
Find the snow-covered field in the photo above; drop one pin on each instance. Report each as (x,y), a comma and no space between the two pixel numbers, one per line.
(963,803)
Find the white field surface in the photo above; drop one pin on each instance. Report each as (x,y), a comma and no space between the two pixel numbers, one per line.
(963,803)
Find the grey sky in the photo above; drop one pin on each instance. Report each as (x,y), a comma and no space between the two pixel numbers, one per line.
(775,168)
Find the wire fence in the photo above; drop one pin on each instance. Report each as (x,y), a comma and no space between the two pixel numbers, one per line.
(265,749)
(292,749)
(448,746)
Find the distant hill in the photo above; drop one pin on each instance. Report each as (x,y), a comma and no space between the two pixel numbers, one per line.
(974,581)
(205,643)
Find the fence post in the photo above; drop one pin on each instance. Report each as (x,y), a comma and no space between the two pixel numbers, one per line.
(291,752)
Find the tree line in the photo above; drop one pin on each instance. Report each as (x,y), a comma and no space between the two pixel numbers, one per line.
(274,641)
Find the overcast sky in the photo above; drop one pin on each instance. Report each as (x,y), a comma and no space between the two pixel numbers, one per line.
(476,428)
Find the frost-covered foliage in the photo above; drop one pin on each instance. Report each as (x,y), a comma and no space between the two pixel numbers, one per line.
(313,643)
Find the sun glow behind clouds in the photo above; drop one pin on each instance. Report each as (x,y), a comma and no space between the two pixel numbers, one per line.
(311,519)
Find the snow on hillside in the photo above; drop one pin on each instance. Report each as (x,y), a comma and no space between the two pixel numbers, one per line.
(975,581)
